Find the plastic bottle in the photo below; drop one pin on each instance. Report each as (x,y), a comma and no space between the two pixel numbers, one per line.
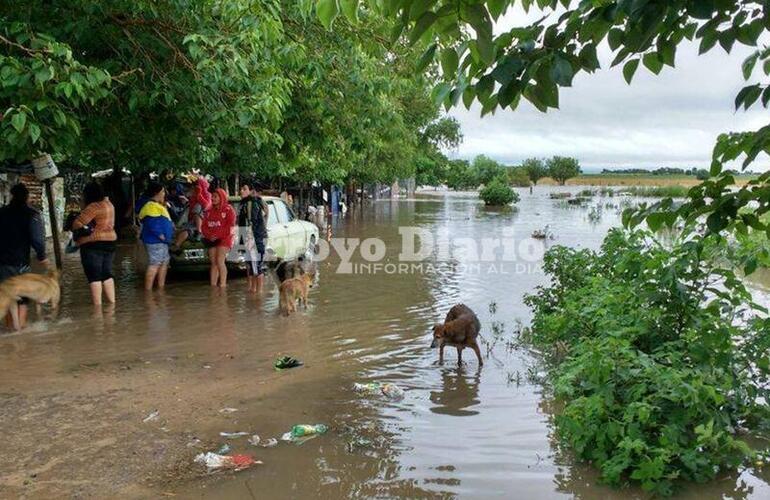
(302,430)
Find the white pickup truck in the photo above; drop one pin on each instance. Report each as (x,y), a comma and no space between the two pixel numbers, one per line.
(288,237)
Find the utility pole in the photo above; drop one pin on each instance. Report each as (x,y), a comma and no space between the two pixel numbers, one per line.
(45,170)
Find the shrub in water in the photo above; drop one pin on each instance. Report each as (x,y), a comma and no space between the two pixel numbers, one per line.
(497,193)
(659,372)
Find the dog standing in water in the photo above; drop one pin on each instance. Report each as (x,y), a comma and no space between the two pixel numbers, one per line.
(42,288)
(293,289)
(460,329)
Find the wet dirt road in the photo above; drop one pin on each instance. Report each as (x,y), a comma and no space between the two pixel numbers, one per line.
(74,392)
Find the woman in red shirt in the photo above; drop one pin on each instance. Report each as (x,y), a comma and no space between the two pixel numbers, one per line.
(217,231)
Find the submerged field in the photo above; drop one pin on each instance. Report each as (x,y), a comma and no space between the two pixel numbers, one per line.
(636,180)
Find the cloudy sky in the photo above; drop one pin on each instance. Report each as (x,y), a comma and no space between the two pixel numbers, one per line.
(671,119)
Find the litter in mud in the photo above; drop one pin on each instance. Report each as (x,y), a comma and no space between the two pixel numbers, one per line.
(152,416)
(304,432)
(224,449)
(389,390)
(228,410)
(254,440)
(194,442)
(214,461)
(358,443)
(233,435)
(269,443)
(286,362)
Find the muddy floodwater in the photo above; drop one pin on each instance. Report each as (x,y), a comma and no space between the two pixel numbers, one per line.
(117,402)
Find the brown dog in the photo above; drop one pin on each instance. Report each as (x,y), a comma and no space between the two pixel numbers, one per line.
(460,329)
(43,289)
(293,289)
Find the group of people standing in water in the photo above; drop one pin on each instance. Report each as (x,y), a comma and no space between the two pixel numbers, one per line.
(211,220)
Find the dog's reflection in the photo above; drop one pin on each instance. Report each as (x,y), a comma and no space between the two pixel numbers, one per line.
(459,394)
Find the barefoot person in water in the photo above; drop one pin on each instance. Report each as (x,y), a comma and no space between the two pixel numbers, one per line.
(217,231)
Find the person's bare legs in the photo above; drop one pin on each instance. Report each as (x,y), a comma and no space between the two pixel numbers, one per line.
(109,290)
(162,271)
(96,292)
(181,238)
(260,281)
(221,265)
(214,269)
(252,282)
(23,313)
(149,277)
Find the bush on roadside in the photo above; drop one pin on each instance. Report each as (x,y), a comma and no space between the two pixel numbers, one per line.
(644,350)
(498,193)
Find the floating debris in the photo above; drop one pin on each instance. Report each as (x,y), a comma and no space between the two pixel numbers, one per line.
(152,416)
(233,435)
(285,362)
(269,443)
(387,389)
(214,461)
(543,234)
(304,432)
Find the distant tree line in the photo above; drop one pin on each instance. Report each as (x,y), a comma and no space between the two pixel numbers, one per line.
(465,175)
(699,173)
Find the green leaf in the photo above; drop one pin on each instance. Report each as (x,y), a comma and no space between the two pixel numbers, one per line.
(427,57)
(615,38)
(766,97)
(497,7)
(629,69)
(588,59)
(667,53)
(747,96)
(350,9)
(484,87)
(449,61)
(18,121)
(421,26)
(655,221)
(34,132)
(441,92)
(486,48)
(418,7)
(748,65)
(468,96)
(561,72)
(652,62)
(327,11)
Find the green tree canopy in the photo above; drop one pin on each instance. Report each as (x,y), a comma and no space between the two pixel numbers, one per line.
(561,168)
(535,169)
(252,86)
(487,169)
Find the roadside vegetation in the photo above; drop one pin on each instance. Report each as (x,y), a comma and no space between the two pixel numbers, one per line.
(642,346)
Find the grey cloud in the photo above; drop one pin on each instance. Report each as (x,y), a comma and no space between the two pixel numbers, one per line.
(671,119)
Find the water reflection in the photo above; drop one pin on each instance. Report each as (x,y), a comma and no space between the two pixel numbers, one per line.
(459,392)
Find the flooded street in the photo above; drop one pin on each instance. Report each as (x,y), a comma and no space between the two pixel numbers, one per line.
(75,391)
